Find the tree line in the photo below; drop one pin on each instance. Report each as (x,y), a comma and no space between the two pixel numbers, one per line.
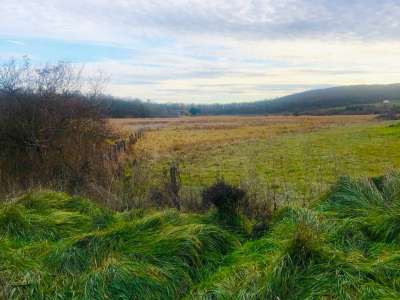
(361,99)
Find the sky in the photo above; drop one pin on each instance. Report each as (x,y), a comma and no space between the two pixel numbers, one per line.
(207,51)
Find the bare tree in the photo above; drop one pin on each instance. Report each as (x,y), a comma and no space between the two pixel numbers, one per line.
(97,84)
(50,131)
(13,76)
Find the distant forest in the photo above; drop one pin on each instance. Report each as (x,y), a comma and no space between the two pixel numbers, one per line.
(361,99)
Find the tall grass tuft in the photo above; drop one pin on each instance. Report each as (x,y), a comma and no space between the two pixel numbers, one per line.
(157,255)
(345,248)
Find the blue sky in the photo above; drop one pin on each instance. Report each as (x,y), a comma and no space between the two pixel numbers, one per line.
(53,50)
(210,50)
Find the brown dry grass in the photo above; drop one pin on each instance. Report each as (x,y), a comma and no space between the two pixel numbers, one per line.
(166,135)
(232,121)
(300,156)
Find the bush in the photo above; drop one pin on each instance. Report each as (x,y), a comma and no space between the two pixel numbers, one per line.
(226,198)
(51,133)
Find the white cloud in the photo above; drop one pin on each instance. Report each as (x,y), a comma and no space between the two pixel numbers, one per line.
(122,20)
(214,50)
(19,43)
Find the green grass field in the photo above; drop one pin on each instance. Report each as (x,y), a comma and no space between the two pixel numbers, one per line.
(302,156)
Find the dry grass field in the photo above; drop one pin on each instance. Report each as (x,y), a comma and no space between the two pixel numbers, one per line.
(300,156)
(235,121)
(169,135)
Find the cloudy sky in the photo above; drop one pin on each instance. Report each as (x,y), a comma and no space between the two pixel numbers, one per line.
(210,50)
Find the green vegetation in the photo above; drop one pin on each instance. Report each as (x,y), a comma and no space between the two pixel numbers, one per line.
(342,149)
(59,247)
(345,246)
(299,163)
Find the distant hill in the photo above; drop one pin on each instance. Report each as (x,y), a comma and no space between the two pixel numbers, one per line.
(322,101)
(335,97)
(355,99)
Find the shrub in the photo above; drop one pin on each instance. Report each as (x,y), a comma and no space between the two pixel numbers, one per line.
(227,199)
(51,133)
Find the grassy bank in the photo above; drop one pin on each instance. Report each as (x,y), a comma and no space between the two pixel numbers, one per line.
(345,246)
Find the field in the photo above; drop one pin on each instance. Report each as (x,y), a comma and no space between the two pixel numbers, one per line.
(329,237)
(299,156)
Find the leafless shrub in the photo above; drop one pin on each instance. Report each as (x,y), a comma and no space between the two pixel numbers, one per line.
(158,197)
(261,199)
(191,199)
(166,191)
(50,132)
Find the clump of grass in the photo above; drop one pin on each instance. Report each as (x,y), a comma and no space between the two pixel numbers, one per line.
(13,221)
(370,204)
(51,216)
(43,200)
(140,260)
(145,256)
(346,248)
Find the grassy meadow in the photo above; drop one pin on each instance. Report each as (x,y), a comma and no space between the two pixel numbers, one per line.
(342,242)
(345,246)
(299,156)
